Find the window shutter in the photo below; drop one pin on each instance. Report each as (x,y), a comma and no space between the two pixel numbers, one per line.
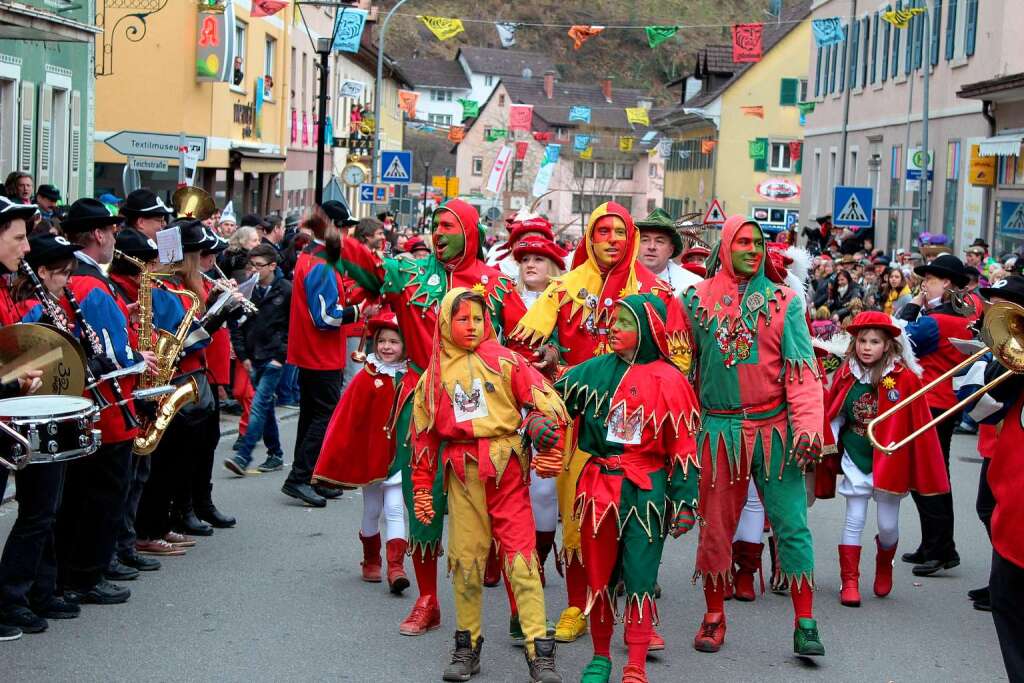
(886,31)
(76,144)
(854,52)
(761,165)
(874,48)
(918,29)
(896,33)
(971,35)
(44,153)
(798,163)
(936,28)
(843,63)
(27,125)
(789,92)
(817,73)
(950,29)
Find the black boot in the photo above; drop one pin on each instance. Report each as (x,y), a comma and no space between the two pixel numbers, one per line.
(208,512)
(465,658)
(542,666)
(186,522)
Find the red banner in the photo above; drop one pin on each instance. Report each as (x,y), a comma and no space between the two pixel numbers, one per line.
(521,149)
(746,42)
(796,148)
(305,129)
(295,126)
(520,117)
(266,8)
(543,137)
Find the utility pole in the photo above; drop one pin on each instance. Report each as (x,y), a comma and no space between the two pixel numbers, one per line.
(426,185)
(846,93)
(323,48)
(377,95)
(926,63)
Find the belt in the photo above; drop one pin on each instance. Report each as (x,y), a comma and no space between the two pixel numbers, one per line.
(756,412)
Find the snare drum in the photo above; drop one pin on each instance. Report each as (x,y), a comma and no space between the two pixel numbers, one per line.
(52,429)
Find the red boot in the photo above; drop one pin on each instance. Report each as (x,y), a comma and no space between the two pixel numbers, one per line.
(849,572)
(747,558)
(883,569)
(371,558)
(492,572)
(633,673)
(711,634)
(397,580)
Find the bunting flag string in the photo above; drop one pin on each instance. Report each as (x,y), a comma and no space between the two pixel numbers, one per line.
(665,148)
(495,134)
(543,136)
(900,18)
(348,30)
(507,32)
(755,111)
(656,35)
(637,116)
(796,149)
(456,134)
(626,143)
(520,117)
(443,28)
(407,100)
(757,149)
(805,107)
(685,154)
(470,109)
(267,8)
(746,43)
(588,153)
(522,147)
(580,143)
(579,113)
(551,153)
(581,33)
(828,31)
(706,146)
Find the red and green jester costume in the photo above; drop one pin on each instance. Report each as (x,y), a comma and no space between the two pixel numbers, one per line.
(467,415)
(574,313)
(761,416)
(414,288)
(637,420)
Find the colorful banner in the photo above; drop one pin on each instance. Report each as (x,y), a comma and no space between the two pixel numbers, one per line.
(501,163)
(456,134)
(352,88)
(757,149)
(213,60)
(665,149)
(580,143)
(443,28)
(626,143)
(407,100)
(656,35)
(470,109)
(520,117)
(495,134)
(543,180)
(746,43)
(579,113)
(637,116)
(805,107)
(348,29)
(900,18)
(581,33)
(756,111)
(543,137)
(257,124)
(507,32)
(305,129)
(796,149)
(522,147)
(551,153)
(828,31)
(588,153)
(267,8)
(706,146)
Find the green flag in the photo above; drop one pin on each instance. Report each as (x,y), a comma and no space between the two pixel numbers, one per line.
(496,134)
(757,149)
(470,109)
(656,35)
(805,107)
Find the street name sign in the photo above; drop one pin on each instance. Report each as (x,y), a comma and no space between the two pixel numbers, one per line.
(160,145)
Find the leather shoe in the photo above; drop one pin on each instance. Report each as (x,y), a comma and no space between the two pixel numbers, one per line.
(25,619)
(143,564)
(305,493)
(103,593)
(933,566)
(187,523)
(117,571)
(57,608)
(215,517)
(329,494)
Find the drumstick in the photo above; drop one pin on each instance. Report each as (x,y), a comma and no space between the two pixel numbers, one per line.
(29,360)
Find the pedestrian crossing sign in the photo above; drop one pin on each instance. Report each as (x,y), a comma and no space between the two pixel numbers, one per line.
(396,167)
(852,207)
(1011,218)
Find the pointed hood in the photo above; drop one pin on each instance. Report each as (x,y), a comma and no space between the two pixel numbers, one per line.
(469,220)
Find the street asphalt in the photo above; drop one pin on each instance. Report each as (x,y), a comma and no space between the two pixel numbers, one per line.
(279,598)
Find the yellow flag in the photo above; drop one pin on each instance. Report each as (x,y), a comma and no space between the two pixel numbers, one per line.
(637,115)
(625,143)
(900,18)
(443,28)
(588,153)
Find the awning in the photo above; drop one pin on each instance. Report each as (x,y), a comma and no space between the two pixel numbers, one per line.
(22,22)
(250,161)
(1005,145)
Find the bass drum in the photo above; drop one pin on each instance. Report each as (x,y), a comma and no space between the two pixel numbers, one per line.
(44,429)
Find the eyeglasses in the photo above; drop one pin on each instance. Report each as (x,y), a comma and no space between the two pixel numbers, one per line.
(253,264)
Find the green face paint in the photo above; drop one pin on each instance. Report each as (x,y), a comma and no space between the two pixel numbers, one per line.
(747,251)
(625,332)
(449,242)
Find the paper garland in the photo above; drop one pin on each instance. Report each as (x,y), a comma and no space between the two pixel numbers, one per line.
(706,146)
(581,142)
(407,100)
(746,43)
(543,136)
(506,32)
(352,88)
(656,35)
(755,111)
(588,153)
(579,113)
(443,28)
(665,149)
(626,143)
(522,147)
(805,107)
(828,31)
(757,149)
(581,33)
(637,116)
(456,134)
(796,149)
(348,29)
(267,8)
(551,153)
(495,134)
(520,117)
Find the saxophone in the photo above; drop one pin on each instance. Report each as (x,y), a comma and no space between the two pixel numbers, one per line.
(167,348)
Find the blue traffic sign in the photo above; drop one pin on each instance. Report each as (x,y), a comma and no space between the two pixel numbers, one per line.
(852,206)
(380,193)
(366,193)
(396,167)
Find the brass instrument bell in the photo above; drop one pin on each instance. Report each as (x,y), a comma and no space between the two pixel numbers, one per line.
(193,202)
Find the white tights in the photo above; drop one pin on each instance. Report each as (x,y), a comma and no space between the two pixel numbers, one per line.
(888,506)
(378,497)
(544,501)
(751,524)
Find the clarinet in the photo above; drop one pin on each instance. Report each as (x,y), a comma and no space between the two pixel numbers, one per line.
(94,348)
(56,314)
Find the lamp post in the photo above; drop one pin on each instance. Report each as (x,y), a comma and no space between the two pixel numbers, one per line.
(375,155)
(323,48)
(426,184)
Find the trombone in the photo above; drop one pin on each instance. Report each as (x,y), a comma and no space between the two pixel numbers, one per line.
(1003,334)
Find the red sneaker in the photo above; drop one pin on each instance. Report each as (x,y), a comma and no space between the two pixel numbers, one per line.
(425,616)
(631,673)
(657,643)
(711,634)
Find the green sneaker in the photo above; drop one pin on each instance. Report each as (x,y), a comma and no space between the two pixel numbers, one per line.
(515,631)
(598,671)
(806,641)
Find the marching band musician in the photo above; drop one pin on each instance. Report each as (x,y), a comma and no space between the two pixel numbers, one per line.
(145,212)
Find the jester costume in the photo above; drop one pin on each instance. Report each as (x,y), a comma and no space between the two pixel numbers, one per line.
(574,314)
(761,400)
(414,289)
(466,421)
(637,422)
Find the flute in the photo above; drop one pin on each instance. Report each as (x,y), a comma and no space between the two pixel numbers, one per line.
(220,285)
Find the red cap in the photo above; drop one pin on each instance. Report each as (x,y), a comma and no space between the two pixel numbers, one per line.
(541,247)
(696,250)
(776,252)
(385,320)
(414,243)
(518,228)
(874,319)
(697,268)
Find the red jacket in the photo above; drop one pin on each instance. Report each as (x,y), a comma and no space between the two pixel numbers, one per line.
(1006,478)
(318,312)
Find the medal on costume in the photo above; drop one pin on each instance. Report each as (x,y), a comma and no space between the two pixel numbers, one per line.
(469,406)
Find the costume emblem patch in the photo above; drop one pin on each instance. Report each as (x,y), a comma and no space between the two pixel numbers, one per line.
(469,406)
(622,428)
(888,383)
(378,383)
(484,279)
(736,346)
(893,395)
(755,301)
(433,280)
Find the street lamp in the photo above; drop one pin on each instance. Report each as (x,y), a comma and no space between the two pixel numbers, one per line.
(323,48)
(426,184)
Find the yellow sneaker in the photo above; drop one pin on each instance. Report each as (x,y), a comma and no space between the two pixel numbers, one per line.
(571,625)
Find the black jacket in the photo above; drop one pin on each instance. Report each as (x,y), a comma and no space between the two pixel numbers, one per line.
(263,336)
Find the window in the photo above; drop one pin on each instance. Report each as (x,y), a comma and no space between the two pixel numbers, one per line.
(803,90)
(851,178)
(268,67)
(501,100)
(865,46)
(585,203)
(843,62)
(894,190)
(238,77)
(440,119)
(583,169)
(518,170)
(874,47)
(951,21)
(488,81)
(561,133)
(886,30)
(478,165)
(441,95)
(8,123)
(605,170)
(626,202)
(625,171)
(779,158)
(896,34)
(853,39)
(933,45)
(817,71)
(953,162)
(652,172)
(652,204)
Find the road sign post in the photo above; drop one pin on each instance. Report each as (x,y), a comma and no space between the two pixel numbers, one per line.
(852,207)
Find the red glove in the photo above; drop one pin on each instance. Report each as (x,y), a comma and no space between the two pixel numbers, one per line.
(423,505)
(547,464)
(682,522)
(807,450)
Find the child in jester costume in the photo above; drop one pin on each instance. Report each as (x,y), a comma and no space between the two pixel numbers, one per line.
(466,421)
(574,314)
(414,289)
(637,422)
(762,417)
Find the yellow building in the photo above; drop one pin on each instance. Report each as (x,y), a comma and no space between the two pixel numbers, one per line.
(214,75)
(755,166)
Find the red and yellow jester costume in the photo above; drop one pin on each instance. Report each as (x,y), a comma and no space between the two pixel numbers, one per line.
(467,413)
(574,314)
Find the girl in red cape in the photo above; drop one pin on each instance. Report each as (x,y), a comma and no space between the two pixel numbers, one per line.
(358,450)
(879,371)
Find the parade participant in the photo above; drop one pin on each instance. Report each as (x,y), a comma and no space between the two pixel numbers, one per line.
(879,370)
(316,347)
(95,488)
(466,417)
(417,248)
(935,317)
(523,225)
(660,244)
(761,397)
(637,419)
(228,222)
(372,457)
(145,212)
(47,198)
(575,313)
(261,345)
(693,260)
(414,289)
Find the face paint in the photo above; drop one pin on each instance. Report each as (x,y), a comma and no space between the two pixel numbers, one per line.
(609,241)
(449,242)
(747,251)
(468,325)
(624,335)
